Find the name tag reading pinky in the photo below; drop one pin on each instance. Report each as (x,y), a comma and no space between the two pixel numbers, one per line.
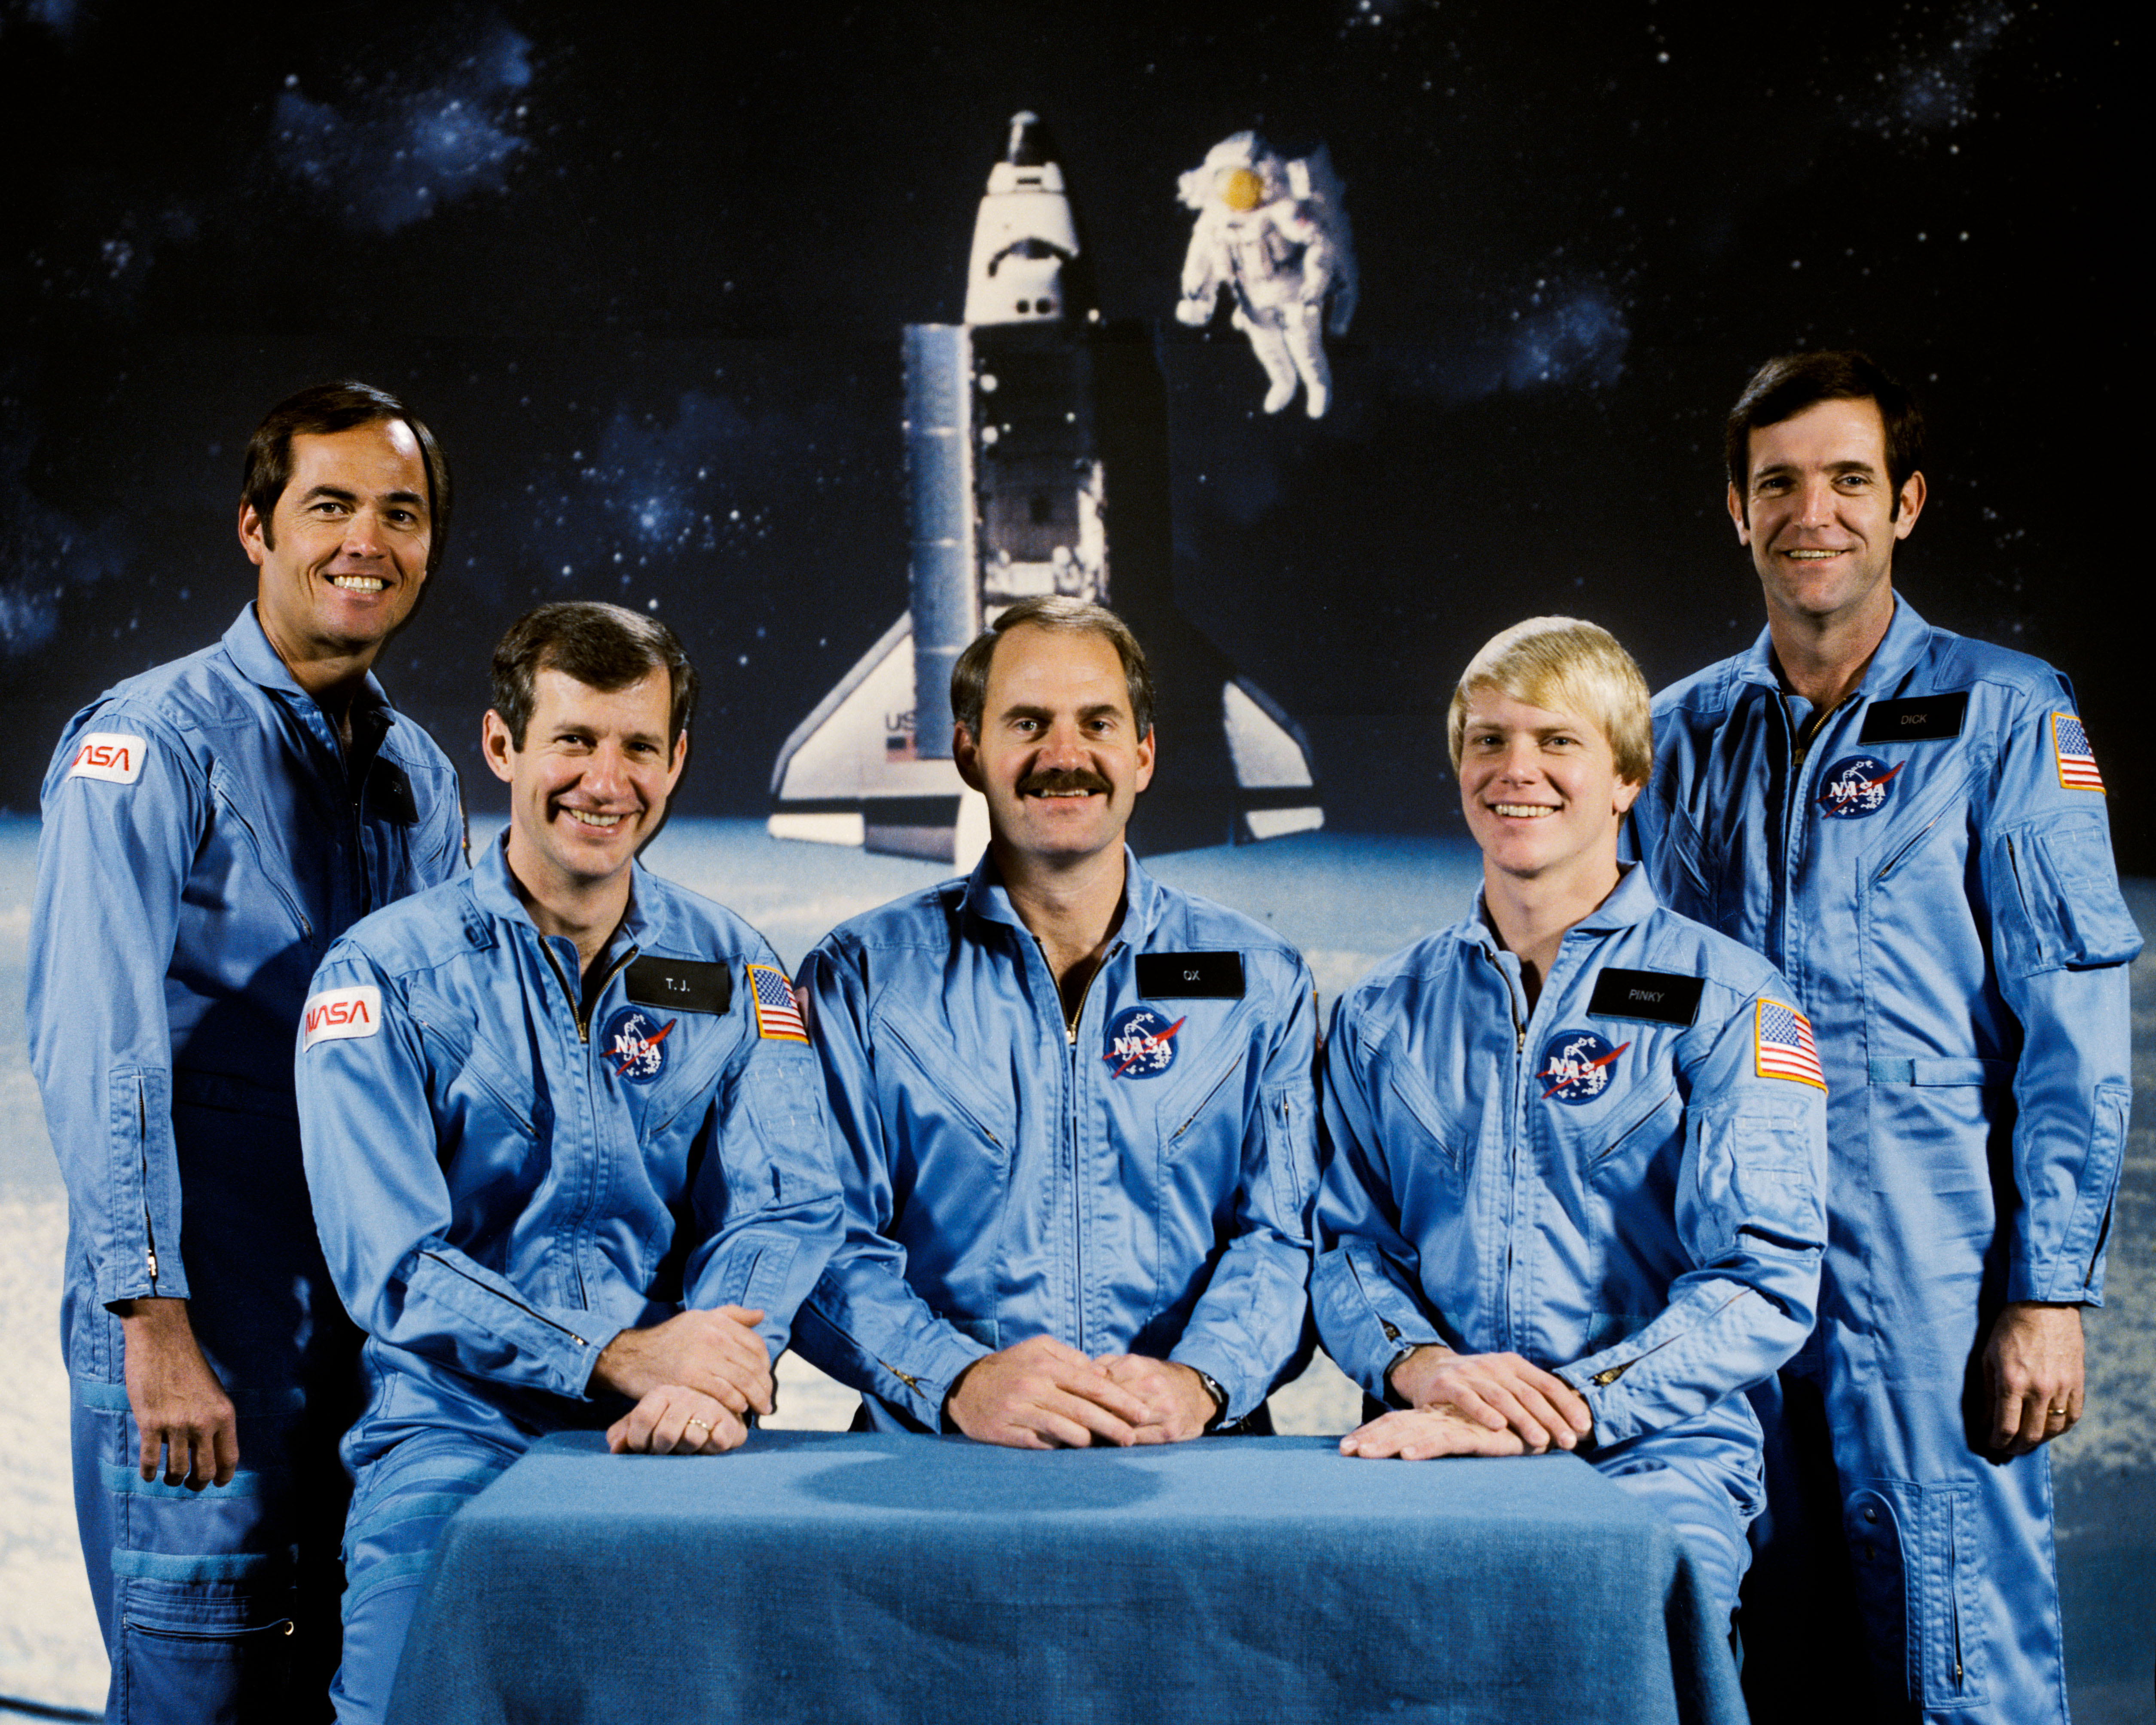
(337,1013)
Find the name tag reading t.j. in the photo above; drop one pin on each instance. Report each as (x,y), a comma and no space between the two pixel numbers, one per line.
(1657,997)
(1193,976)
(1916,719)
(683,984)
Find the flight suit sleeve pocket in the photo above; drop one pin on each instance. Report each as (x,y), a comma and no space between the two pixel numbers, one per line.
(788,1156)
(1291,1153)
(1753,1173)
(2064,911)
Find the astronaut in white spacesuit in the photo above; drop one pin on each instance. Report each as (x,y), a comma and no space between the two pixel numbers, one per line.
(1272,232)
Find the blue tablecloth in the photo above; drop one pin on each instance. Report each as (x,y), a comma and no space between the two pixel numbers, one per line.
(825,1576)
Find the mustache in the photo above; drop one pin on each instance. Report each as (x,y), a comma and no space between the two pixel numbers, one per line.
(1064,778)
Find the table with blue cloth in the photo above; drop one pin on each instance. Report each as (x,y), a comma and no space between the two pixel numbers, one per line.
(830,1576)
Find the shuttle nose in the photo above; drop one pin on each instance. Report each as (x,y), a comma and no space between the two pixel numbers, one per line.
(1028,145)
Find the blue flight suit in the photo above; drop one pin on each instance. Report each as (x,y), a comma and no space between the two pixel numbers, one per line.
(1140,1182)
(1932,871)
(1623,1184)
(510,1166)
(206,837)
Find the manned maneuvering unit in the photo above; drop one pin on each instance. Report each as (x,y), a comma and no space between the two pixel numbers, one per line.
(1036,463)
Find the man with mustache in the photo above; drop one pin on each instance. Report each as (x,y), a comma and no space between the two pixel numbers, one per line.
(1910,826)
(1075,1103)
(210,827)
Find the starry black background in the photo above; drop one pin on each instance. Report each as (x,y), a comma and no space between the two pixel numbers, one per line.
(644,270)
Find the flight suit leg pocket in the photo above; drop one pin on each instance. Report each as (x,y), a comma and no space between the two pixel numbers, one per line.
(1918,1569)
(207,1651)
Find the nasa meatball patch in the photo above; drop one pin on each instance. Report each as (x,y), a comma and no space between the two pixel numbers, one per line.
(337,1013)
(1856,786)
(1577,1066)
(635,1044)
(1140,1042)
(109,755)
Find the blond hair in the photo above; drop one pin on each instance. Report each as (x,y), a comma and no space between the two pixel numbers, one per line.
(1562,664)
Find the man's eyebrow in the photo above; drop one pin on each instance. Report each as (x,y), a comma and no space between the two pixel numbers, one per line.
(342,494)
(1774,470)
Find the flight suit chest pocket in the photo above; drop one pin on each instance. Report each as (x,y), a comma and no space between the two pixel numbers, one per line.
(1640,1129)
(470,1081)
(941,1102)
(1419,1134)
(1207,1110)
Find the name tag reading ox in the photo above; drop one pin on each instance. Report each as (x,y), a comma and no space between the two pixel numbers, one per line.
(336,1013)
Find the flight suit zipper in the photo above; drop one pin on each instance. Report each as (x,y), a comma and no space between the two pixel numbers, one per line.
(591,1115)
(528,1311)
(1070,1023)
(1610,1374)
(142,1152)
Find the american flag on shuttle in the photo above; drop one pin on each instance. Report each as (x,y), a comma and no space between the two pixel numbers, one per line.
(1782,1044)
(2076,760)
(778,1016)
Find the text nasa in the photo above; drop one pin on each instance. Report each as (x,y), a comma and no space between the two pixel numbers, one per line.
(337,1013)
(108,755)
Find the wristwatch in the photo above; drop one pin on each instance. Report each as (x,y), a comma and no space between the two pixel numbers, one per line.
(1219,1399)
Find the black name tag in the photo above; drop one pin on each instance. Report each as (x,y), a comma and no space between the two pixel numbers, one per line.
(389,793)
(1207,976)
(1915,719)
(682,984)
(1656,996)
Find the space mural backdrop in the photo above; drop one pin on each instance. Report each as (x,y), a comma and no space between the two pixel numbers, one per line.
(647,271)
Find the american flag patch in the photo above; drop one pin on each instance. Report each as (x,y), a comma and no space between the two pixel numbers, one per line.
(1782,1044)
(2076,761)
(777,1017)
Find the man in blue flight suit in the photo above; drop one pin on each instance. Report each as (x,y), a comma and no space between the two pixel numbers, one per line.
(210,826)
(565,1137)
(1577,1144)
(1075,1104)
(1910,826)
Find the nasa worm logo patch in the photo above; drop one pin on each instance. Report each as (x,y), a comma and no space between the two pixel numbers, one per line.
(108,755)
(635,1044)
(1140,1042)
(1576,1065)
(337,1013)
(1856,786)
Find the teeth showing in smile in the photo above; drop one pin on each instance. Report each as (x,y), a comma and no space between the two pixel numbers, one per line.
(1062,794)
(585,817)
(1523,811)
(358,584)
(1811,556)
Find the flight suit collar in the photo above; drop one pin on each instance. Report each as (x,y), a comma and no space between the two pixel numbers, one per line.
(1631,901)
(494,889)
(985,896)
(249,649)
(1906,637)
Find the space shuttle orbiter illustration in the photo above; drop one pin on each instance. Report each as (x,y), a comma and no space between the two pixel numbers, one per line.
(1036,462)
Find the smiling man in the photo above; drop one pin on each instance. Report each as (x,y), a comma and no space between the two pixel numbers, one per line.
(1577,1141)
(210,826)
(565,1139)
(1074,1103)
(1910,826)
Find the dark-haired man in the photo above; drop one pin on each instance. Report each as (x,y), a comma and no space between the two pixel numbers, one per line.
(1910,826)
(1076,1104)
(565,1139)
(210,826)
